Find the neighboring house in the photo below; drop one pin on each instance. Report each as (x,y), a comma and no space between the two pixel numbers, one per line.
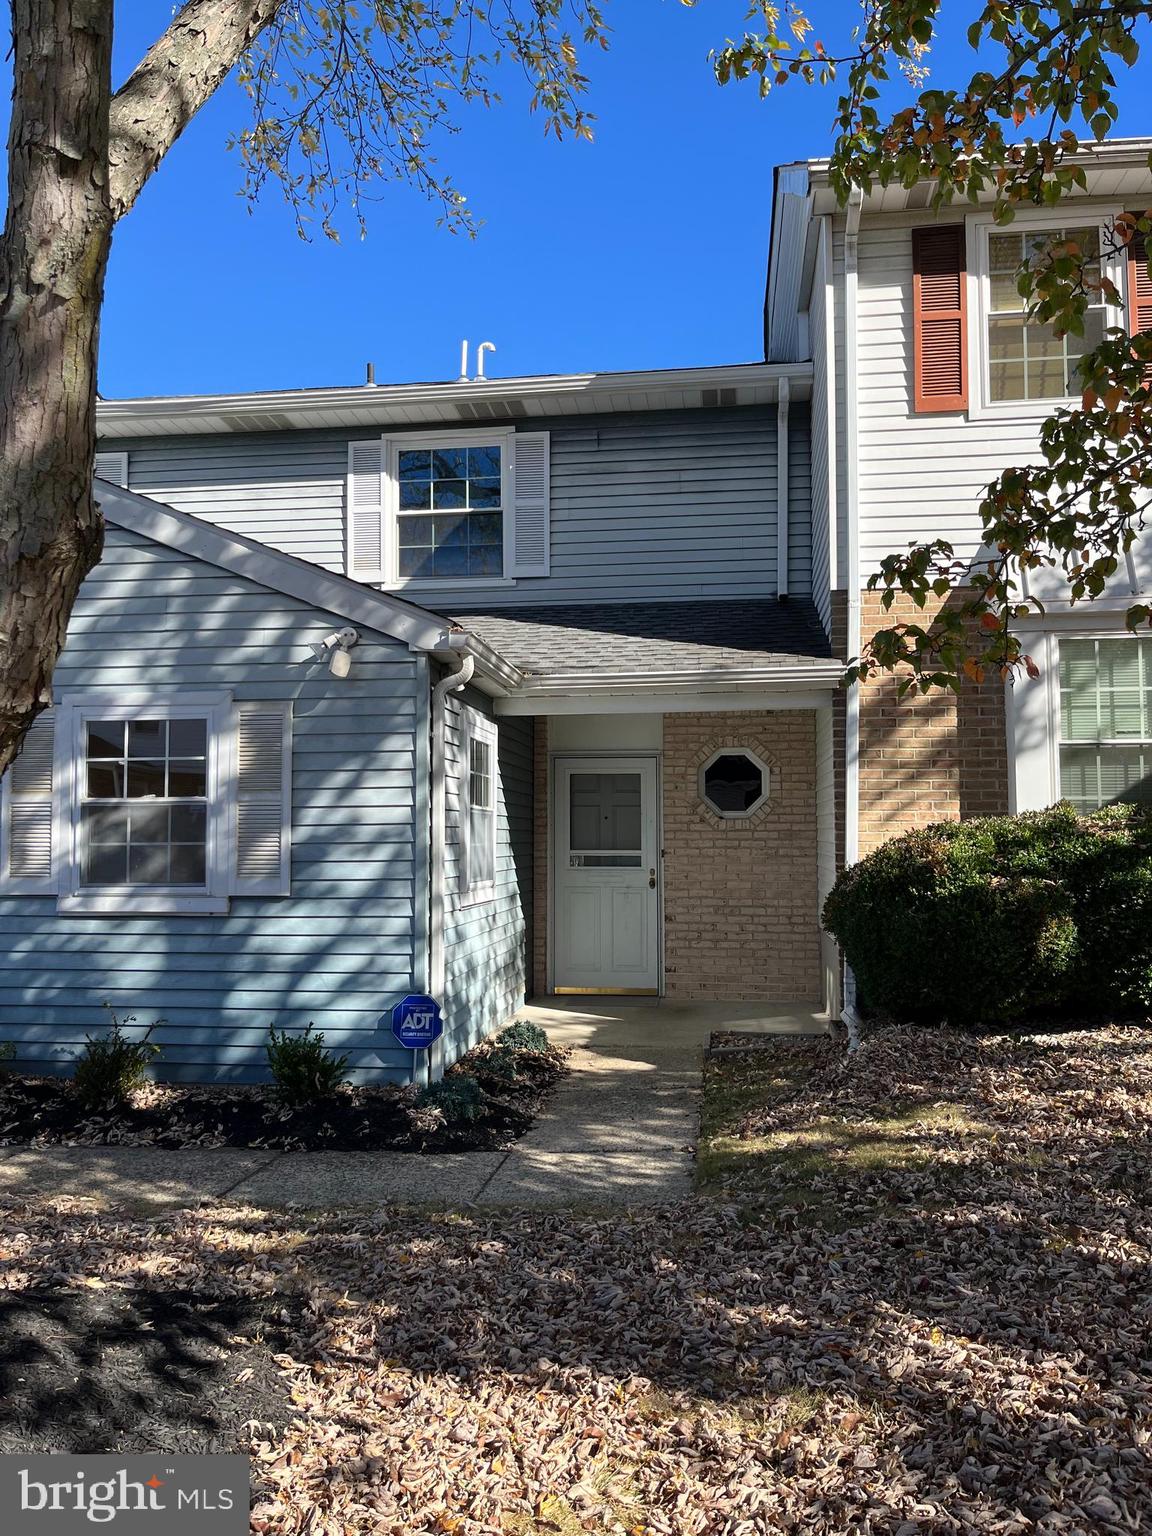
(927,382)
(584,743)
(533,685)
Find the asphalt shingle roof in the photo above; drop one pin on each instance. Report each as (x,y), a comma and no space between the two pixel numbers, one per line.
(630,637)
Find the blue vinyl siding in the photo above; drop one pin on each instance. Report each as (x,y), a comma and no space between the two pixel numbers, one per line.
(647,505)
(486,944)
(347,942)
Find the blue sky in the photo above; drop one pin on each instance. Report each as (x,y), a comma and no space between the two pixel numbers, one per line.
(645,249)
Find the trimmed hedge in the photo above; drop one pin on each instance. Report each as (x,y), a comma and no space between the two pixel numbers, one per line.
(1003,918)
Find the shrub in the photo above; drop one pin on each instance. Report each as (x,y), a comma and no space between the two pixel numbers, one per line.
(523,1036)
(502,1062)
(302,1067)
(1003,918)
(459,1098)
(7,1054)
(112,1067)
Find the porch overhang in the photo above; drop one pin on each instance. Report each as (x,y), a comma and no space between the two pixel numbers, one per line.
(800,686)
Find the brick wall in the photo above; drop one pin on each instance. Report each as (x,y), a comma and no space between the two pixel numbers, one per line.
(740,895)
(933,757)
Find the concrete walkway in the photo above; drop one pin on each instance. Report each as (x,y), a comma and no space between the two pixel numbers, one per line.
(618,1131)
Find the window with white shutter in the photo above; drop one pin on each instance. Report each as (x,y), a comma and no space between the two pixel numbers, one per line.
(460,508)
(164,803)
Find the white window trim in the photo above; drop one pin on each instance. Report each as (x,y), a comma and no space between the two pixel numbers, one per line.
(766,774)
(1033,706)
(979,226)
(476,727)
(73,709)
(503,438)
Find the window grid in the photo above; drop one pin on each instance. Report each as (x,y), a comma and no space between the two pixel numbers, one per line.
(450,521)
(480,861)
(1105,745)
(144,803)
(1026,360)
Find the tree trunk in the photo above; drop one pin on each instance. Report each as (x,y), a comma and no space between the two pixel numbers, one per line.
(77,159)
(53,255)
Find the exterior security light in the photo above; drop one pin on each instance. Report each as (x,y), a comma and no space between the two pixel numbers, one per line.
(336,647)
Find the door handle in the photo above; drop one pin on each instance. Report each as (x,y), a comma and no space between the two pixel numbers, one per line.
(651,879)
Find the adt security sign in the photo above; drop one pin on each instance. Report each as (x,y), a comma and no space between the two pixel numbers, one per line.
(417,1022)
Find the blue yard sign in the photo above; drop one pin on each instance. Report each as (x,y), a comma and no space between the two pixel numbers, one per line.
(417,1022)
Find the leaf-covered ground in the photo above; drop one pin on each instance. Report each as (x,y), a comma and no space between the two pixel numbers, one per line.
(954,1342)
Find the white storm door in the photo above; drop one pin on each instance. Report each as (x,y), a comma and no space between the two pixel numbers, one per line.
(606,904)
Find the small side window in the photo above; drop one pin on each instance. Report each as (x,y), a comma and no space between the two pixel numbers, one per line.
(478,809)
(734,782)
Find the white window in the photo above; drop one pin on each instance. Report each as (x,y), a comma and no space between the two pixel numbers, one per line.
(1105,730)
(150,804)
(1025,366)
(478,811)
(437,509)
(450,512)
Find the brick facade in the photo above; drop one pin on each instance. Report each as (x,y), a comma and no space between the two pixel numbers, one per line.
(934,757)
(740,897)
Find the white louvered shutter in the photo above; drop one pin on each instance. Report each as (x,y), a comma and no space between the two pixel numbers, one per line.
(364,511)
(29,813)
(112,467)
(263,799)
(531,511)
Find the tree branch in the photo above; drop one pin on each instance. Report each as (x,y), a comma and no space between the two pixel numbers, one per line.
(173,80)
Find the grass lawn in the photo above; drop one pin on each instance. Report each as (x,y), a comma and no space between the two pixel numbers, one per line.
(911,1296)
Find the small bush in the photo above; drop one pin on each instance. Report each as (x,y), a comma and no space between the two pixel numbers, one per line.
(459,1098)
(302,1067)
(523,1036)
(1003,918)
(112,1068)
(7,1054)
(503,1062)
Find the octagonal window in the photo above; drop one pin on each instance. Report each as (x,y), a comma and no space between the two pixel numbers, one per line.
(734,782)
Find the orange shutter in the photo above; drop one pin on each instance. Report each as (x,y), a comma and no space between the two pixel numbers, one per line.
(1139,286)
(940,326)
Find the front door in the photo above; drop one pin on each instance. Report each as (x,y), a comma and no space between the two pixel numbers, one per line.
(607,898)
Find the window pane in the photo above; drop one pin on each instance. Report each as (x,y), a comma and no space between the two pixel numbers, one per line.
(415,532)
(188,738)
(414,464)
(415,562)
(187,777)
(449,493)
(148,864)
(189,823)
(484,493)
(105,781)
(105,823)
(415,495)
(733,783)
(1003,293)
(1007,381)
(145,778)
(101,865)
(106,738)
(148,823)
(481,850)
(450,464)
(1006,339)
(187,865)
(605,812)
(147,738)
(483,461)
(1005,252)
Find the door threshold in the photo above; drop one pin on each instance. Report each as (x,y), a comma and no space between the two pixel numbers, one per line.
(605,992)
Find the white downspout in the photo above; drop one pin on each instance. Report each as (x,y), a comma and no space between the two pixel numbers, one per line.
(852,512)
(458,678)
(782,489)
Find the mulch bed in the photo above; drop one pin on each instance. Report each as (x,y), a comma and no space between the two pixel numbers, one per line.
(42,1111)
